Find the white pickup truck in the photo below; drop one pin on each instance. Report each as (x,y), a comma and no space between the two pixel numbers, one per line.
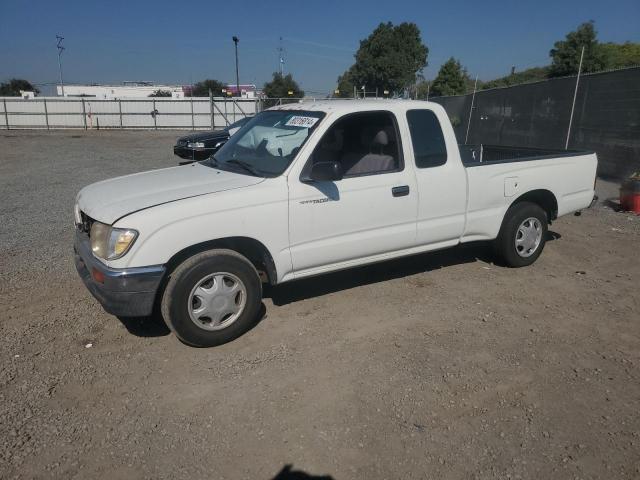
(305,189)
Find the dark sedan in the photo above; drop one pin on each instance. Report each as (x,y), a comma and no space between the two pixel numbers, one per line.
(199,146)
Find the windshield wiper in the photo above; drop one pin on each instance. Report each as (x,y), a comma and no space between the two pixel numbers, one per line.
(211,161)
(247,166)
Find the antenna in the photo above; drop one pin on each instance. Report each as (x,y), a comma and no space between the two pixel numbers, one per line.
(280,57)
(60,50)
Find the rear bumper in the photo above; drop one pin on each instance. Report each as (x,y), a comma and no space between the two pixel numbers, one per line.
(126,292)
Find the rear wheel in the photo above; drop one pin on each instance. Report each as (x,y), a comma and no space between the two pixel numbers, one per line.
(523,234)
(212,298)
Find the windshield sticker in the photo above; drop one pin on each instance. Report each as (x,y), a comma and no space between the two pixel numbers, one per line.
(299,121)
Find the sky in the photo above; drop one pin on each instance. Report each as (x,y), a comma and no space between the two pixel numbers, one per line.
(173,42)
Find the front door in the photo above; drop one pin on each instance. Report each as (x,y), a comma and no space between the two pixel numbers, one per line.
(371,211)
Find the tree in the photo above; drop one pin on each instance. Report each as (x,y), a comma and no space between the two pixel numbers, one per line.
(12,87)
(565,55)
(161,93)
(281,85)
(422,89)
(201,89)
(566,58)
(618,55)
(452,79)
(389,58)
(345,84)
(528,75)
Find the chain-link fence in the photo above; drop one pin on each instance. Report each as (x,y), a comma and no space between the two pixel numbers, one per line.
(195,113)
(606,117)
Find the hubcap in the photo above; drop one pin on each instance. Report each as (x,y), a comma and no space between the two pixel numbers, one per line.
(528,237)
(217,300)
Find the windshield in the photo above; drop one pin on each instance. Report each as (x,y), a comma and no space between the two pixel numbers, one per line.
(267,144)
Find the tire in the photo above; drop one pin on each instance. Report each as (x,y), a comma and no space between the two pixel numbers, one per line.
(212,298)
(522,235)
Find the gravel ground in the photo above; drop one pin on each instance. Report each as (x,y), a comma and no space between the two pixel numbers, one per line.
(438,366)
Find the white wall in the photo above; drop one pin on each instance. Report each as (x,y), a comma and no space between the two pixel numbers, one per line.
(66,112)
(111,92)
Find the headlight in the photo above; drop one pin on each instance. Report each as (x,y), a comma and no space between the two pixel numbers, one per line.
(111,243)
(76,214)
(195,145)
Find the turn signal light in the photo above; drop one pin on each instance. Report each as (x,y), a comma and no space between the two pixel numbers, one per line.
(97,275)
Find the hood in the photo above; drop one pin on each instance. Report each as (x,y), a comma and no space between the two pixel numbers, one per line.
(109,200)
(202,136)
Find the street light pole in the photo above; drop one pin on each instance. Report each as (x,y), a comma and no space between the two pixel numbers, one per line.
(60,49)
(235,41)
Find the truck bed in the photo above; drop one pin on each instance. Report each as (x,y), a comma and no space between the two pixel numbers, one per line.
(478,155)
(506,173)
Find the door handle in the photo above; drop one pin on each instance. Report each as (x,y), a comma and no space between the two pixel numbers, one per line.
(400,191)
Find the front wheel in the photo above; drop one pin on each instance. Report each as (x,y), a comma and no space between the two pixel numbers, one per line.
(212,298)
(523,234)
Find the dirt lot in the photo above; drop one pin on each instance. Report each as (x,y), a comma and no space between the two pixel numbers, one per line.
(437,366)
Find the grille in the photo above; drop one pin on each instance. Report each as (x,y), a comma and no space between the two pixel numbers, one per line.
(85,225)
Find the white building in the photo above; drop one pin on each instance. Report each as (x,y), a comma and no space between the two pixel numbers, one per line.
(114,92)
(144,90)
(248,90)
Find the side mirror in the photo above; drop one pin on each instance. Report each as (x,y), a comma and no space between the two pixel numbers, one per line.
(325,172)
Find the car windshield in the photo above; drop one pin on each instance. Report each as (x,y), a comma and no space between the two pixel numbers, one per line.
(267,144)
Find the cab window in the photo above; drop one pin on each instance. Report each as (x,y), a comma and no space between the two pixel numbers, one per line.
(429,148)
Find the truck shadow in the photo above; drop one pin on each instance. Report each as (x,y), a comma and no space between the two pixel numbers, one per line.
(152,326)
(155,326)
(383,271)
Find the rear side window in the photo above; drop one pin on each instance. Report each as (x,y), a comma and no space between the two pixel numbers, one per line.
(429,148)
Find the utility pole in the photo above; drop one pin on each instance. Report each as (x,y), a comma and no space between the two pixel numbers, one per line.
(235,41)
(575,94)
(281,58)
(60,50)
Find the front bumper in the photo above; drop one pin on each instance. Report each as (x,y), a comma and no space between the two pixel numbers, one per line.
(128,292)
